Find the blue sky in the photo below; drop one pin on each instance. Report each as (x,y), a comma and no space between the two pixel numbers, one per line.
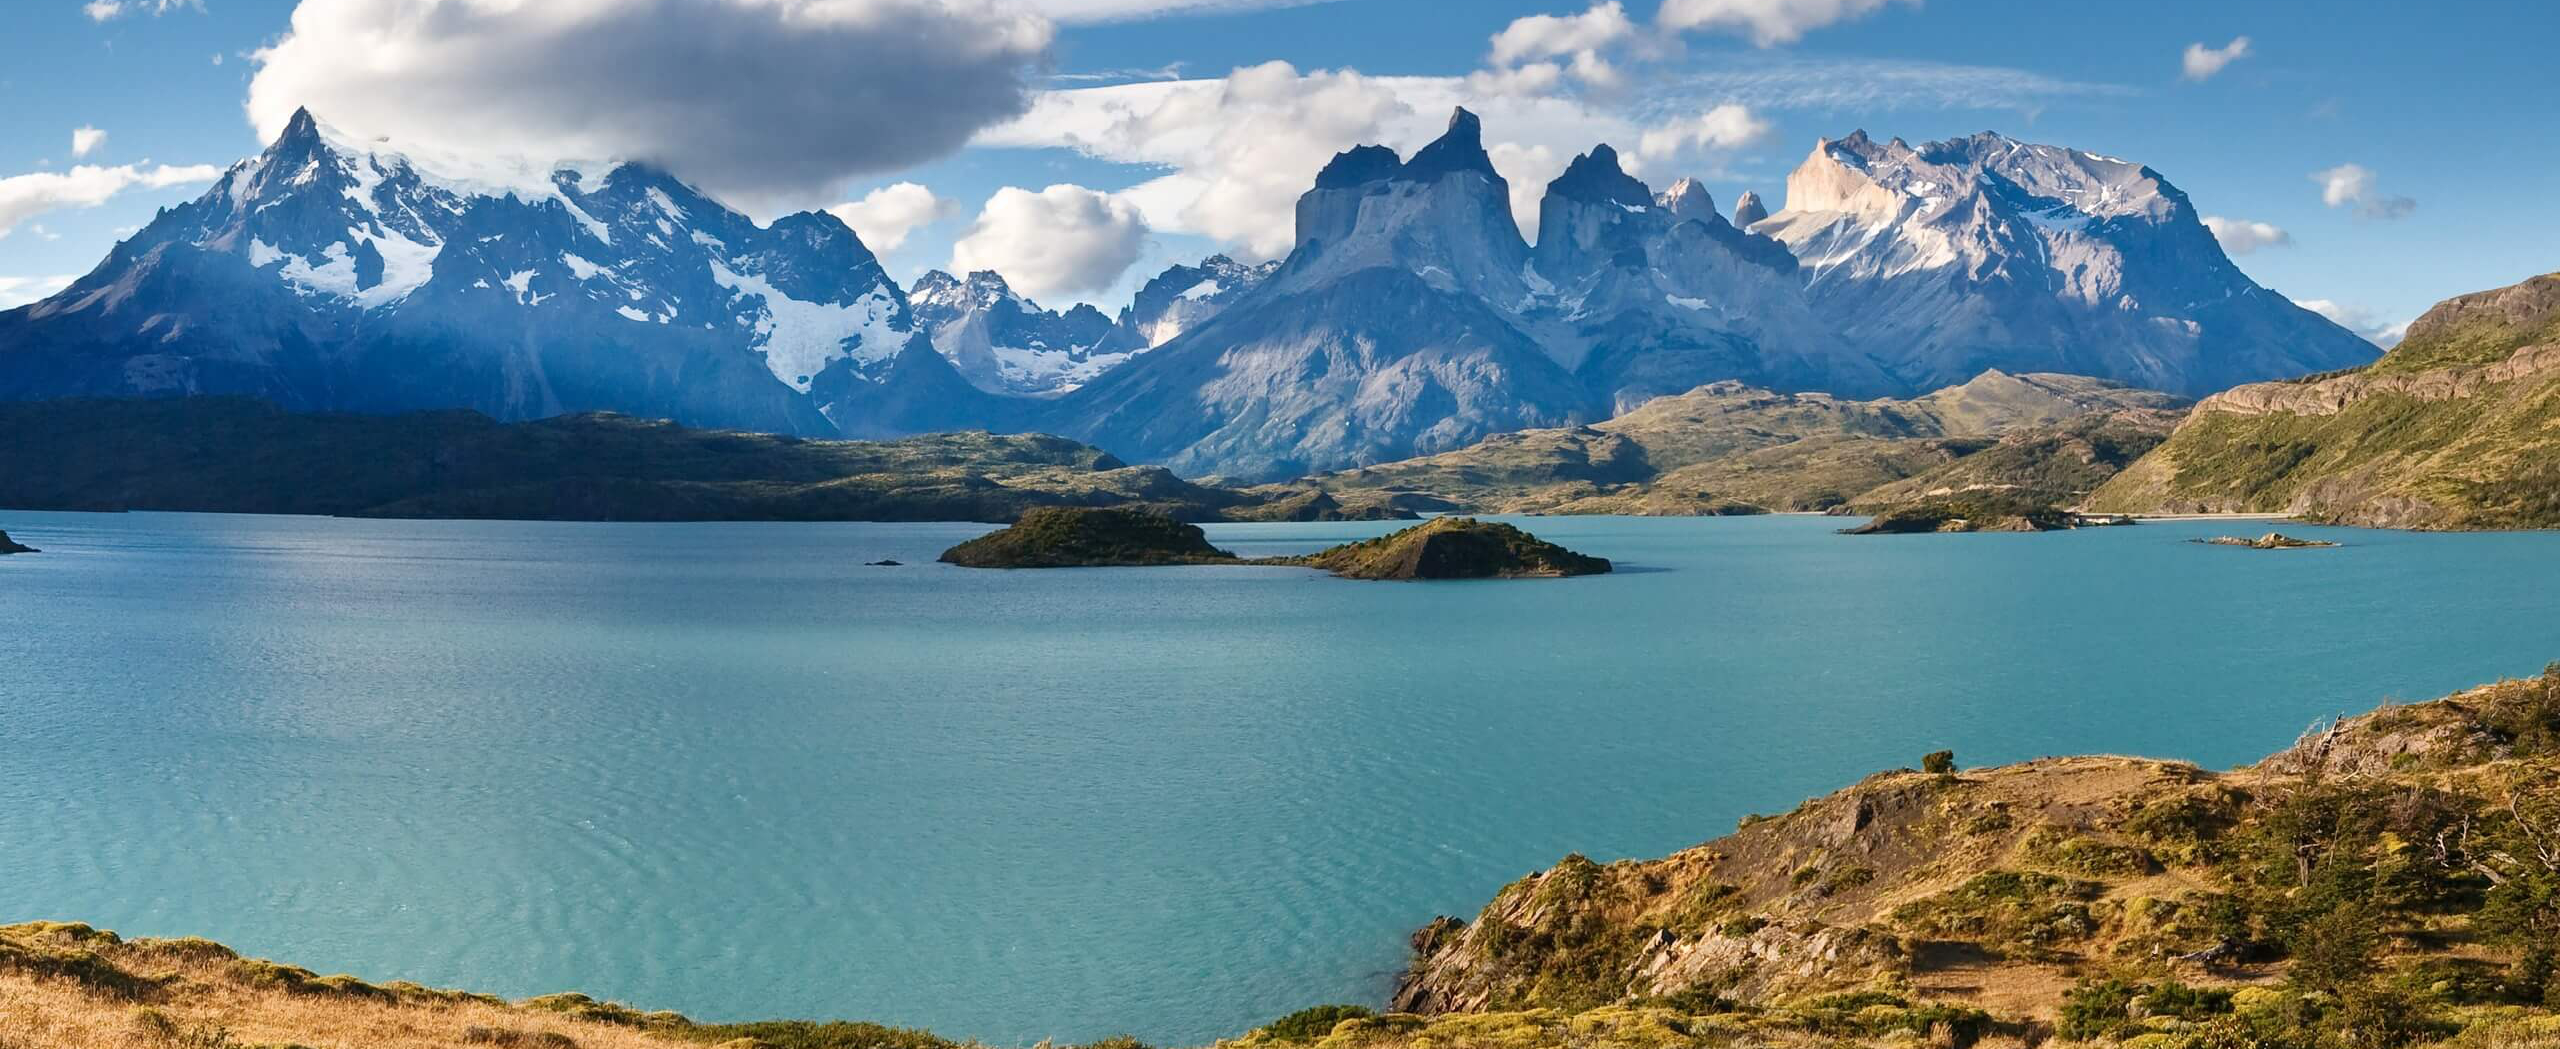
(2440,109)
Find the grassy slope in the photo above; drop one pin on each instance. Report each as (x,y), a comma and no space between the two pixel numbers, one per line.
(2384,882)
(239,455)
(1727,448)
(2457,427)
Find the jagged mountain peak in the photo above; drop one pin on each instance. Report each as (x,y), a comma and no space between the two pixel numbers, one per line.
(1748,209)
(1688,200)
(1459,149)
(1596,177)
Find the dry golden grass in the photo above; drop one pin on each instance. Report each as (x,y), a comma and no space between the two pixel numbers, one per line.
(69,987)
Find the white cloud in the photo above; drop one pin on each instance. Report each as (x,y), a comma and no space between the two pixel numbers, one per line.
(103,10)
(2353,186)
(1134,10)
(2241,236)
(1535,78)
(19,291)
(1767,22)
(1725,127)
(769,102)
(885,216)
(23,197)
(2358,319)
(2203,62)
(1604,26)
(86,140)
(1063,240)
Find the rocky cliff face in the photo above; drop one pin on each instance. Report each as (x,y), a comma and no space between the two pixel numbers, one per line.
(1950,257)
(330,274)
(2457,427)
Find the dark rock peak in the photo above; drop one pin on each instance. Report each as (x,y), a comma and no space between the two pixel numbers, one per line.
(1459,149)
(1749,209)
(1596,176)
(1359,165)
(301,127)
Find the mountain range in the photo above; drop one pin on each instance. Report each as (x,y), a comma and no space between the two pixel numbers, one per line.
(1411,316)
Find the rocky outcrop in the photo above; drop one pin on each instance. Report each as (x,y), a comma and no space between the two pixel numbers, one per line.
(2269,541)
(1966,512)
(2001,887)
(1076,537)
(1453,548)
(11,546)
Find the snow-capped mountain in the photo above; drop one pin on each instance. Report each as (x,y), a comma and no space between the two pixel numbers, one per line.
(1182,298)
(326,273)
(1952,257)
(1004,343)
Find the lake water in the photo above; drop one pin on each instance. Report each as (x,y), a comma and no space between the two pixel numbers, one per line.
(726,769)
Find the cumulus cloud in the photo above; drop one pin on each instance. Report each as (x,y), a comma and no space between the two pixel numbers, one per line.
(2353,186)
(19,291)
(2203,62)
(885,216)
(1580,38)
(2241,236)
(86,140)
(104,10)
(770,102)
(1724,127)
(1241,149)
(2358,319)
(23,197)
(1768,23)
(1063,240)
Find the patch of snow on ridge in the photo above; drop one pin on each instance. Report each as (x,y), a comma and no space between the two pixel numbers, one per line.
(1204,289)
(1689,303)
(799,338)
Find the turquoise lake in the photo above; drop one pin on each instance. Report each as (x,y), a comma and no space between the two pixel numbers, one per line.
(726,769)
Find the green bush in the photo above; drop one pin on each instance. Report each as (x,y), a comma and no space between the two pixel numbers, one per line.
(1309,1024)
(2101,1008)
(1942,762)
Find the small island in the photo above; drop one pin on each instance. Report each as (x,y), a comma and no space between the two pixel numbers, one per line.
(12,546)
(1971,512)
(2269,541)
(1453,548)
(1443,548)
(1087,537)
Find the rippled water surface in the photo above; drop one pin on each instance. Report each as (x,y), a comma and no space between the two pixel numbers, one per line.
(726,769)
